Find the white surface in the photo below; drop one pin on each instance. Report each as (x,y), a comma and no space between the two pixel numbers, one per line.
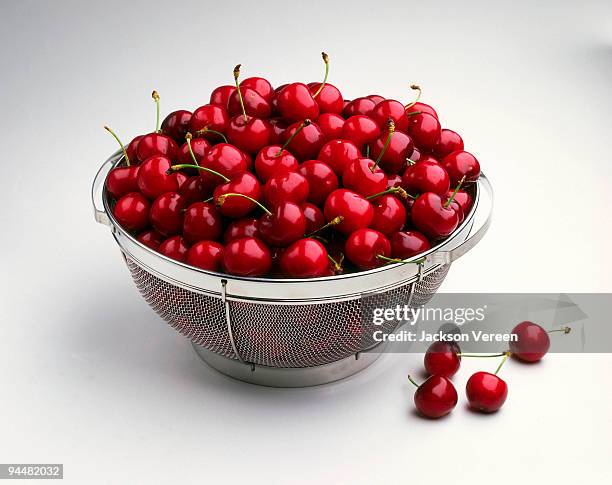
(94,380)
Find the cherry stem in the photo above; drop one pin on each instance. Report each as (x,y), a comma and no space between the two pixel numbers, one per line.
(413,381)
(393,190)
(208,130)
(236,76)
(414,113)
(417,88)
(155,97)
(410,161)
(222,198)
(501,354)
(305,123)
(334,222)
(176,168)
(448,202)
(562,329)
(506,355)
(337,264)
(188,138)
(125,155)
(391,128)
(403,261)
(326,61)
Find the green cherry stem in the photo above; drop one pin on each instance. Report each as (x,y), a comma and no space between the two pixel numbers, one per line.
(205,130)
(367,154)
(562,329)
(448,202)
(403,261)
(176,168)
(304,124)
(506,355)
(417,88)
(188,138)
(155,97)
(222,198)
(337,264)
(326,61)
(125,155)
(236,76)
(334,222)
(391,128)
(412,380)
(393,190)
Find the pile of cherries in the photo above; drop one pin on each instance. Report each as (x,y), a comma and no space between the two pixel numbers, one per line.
(486,392)
(294,181)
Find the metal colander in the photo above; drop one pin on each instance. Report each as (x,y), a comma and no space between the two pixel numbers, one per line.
(286,332)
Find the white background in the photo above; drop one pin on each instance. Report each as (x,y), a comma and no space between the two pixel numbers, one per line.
(92,378)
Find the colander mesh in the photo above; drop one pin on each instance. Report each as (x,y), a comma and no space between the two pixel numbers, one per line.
(279,335)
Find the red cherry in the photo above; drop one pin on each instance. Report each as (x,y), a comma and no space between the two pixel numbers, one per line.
(423,108)
(443,359)
(206,255)
(322,180)
(315,219)
(225,159)
(176,125)
(156,144)
(394,180)
(277,128)
(305,258)
(389,214)
(424,130)
(426,176)
(247,227)
(359,106)
(181,179)
(283,225)
(132,149)
(364,177)
(304,139)
(405,244)
(463,199)
(286,187)
(202,222)
(450,141)
(254,104)
(151,238)
(338,154)
(195,189)
(532,342)
(331,125)
(416,155)
(132,211)
(486,392)
(433,217)
(394,156)
(200,147)
(436,397)
(122,180)
(295,103)
(361,130)
(248,134)
(153,179)
(329,98)
(260,85)
(247,256)
(461,164)
(355,210)
(220,96)
(237,205)
(175,247)
(367,248)
(209,117)
(390,108)
(376,98)
(274,159)
(166,213)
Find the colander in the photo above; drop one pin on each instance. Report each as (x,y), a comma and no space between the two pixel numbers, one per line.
(287,332)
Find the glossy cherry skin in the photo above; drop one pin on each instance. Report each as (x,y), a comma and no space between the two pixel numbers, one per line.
(305,258)
(339,154)
(202,222)
(394,158)
(176,125)
(175,247)
(394,180)
(430,217)
(156,144)
(181,179)
(443,359)
(459,164)
(247,227)
(132,211)
(249,135)
(322,180)
(295,103)
(247,256)
(314,217)
(132,150)
(463,199)
(122,180)
(195,189)
(286,187)
(377,98)
(532,342)
(450,141)
(406,244)
(271,160)
(416,155)
(220,96)
(389,108)
(233,206)
(207,255)
(151,238)
(254,104)
(424,130)
(277,128)
(153,179)
(359,106)
(360,178)
(260,85)
(225,159)
(486,392)
(389,214)
(329,99)
(166,213)
(356,211)
(364,246)
(200,147)
(436,397)
(361,130)
(285,225)
(307,143)
(423,108)
(331,125)
(426,176)
(210,116)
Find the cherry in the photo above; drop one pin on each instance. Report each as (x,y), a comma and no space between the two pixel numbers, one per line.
(461,164)
(210,120)
(254,104)
(283,225)
(394,180)
(248,134)
(436,397)
(331,125)
(433,217)
(295,103)
(443,359)
(181,179)
(286,187)
(426,176)
(364,177)
(424,130)
(367,248)
(220,96)
(150,238)
(202,222)
(376,98)
(355,210)
(389,108)
(486,392)
(206,255)
(392,155)
(339,154)
(166,213)
(329,98)
(247,227)
(132,150)
(361,130)
(176,125)
(132,211)
(322,180)
(272,159)
(449,142)
(260,85)
(175,247)
(304,139)
(421,108)
(359,106)
(416,155)
(277,128)
(532,341)
(153,177)
(121,180)
(225,159)
(155,144)
(239,196)
(405,244)
(463,199)
(305,258)
(315,219)
(199,146)
(389,214)
(247,256)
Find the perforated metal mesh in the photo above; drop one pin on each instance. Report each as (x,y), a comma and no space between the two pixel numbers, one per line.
(279,335)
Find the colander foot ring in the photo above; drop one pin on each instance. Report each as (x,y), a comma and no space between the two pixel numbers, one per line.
(288,377)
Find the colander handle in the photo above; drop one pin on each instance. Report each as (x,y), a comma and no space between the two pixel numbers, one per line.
(97,189)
